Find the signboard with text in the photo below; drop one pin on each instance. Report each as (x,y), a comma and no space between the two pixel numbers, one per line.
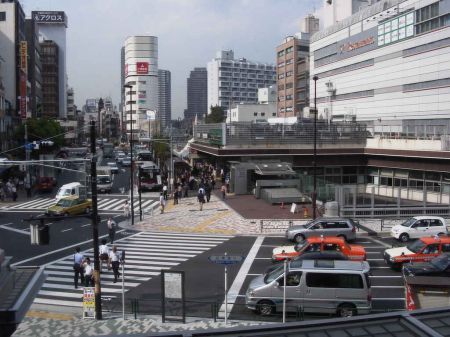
(51,17)
(23,96)
(173,296)
(142,68)
(23,56)
(89,302)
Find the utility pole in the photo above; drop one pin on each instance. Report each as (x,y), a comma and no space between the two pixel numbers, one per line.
(130,87)
(314,199)
(98,293)
(171,176)
(140,192)
(27,156)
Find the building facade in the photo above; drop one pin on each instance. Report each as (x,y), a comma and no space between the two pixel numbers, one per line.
(197,94)
(34,68)
(165,98)
(293,75)
(50,79)
(387,64)
(71,107)
(141,73)
(52,25)
(232,81)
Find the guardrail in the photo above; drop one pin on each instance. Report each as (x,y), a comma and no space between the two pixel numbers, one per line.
(394,212)
(276,226)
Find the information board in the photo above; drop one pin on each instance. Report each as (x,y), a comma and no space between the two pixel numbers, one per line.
(173,296)
(89,302)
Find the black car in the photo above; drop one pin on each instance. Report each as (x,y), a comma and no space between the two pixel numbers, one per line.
(325,255)
(439,266)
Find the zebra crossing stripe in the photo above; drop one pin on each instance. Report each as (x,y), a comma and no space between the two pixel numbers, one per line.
(117,208)
(59,302)
(158,250)
(182,240)
(47,203)
(27,204)
(145,203)
(105,275)
(103,282)
(170,244)
(173,235)
(103,202)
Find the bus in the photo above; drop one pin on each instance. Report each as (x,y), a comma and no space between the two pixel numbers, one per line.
(108,150)
(149,176)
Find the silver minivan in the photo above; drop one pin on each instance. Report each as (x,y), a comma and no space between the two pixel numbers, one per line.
(342,227)
(318,286)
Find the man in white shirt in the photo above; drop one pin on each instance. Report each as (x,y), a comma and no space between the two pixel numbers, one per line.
(88,273)
(165,192)
(103,250)
(114,259)
(162,202)
(111,229)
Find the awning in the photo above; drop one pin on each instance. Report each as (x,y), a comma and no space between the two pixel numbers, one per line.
(270,169)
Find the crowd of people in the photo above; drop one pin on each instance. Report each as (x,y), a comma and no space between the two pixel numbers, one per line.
(9,190)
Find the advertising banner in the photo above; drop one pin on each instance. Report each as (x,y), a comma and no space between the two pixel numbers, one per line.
(89,302)
(142,68)
(23,56)
(49,17)
(23,96)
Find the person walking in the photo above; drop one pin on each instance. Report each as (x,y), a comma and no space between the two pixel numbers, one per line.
(165,191)
(104,254)
(88,273)
(78,260)
(175,196)
(201,198)
(114,260)
(180,191)
(208,191)
(186,189)
(14,192)
(162,202)
(111,229)
(28,189)
(126,210)
(223,189)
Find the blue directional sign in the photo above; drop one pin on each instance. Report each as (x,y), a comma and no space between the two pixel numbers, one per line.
(226,259)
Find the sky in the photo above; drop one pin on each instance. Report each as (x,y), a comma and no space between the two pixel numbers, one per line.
(189,34)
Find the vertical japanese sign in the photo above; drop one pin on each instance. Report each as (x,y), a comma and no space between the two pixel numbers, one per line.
(173,296)
(23,79)
(89,302)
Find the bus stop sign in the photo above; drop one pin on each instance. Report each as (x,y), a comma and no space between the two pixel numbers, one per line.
(226,259)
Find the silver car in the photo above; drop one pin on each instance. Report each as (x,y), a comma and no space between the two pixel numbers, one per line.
(341,227)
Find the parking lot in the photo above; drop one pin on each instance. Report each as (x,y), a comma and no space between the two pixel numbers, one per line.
(387,284)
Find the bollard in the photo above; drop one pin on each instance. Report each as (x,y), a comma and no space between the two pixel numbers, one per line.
(214,311)
(261,226)
(382,224)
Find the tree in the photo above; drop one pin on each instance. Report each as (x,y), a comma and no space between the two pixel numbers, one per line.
(161,147)
(217,115)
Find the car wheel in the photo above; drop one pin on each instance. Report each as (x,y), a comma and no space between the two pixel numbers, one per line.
(299,238)
(342,236)
(441,234)
(346,310)
(404,237)
(265,308)
(87,210)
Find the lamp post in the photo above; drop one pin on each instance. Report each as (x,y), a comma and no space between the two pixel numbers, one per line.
(130,87)
(314,196)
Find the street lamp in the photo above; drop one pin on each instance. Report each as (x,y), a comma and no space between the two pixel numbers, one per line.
(130,87)
(314,196)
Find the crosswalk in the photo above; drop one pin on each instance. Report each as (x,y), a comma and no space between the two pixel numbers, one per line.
(146,255)
(111,204)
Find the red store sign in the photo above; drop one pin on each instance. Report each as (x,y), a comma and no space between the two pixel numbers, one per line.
(142,68)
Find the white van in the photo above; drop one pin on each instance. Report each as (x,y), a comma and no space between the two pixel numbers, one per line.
(71,189)
(319,286)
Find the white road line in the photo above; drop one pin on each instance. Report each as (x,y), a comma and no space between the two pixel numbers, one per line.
(27,203)
(59,250)
(386,276)
(379,267)
(216,236)
(254,274)
(88,224)
(104,202)
(113,203)
(171,244)
(145,203)
(14,230)
(66,230)
(241,275)
(271,246)
(47,203)
(104,275)
(117,208)
(70,280)
(7,224)
(188,241)
(380,243)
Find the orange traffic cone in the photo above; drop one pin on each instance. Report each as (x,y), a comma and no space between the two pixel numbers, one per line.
(305,212)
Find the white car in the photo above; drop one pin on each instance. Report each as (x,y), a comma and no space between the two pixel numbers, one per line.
(114,168)
(419,227)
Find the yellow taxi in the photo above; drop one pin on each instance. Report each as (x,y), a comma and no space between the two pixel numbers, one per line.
(72,205)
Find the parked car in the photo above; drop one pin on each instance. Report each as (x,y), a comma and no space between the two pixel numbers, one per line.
(341,227)
(320,244)
(438,266)
(45,184)
(113,166)
(421,250)
(126,161)
(418,227)
(72,205)
(332,287)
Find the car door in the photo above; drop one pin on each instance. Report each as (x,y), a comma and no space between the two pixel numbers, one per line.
(329,228)
(435,227)
(294,296)
(418,229)
(430,251)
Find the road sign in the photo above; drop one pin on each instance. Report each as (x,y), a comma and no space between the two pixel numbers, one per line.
(226,259)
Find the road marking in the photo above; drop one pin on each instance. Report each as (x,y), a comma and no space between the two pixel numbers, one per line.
(60,249)
(379,267)
(88,224)
(254,274)
(380,243)
(388,299)
(241,275)
(263,258)
(271,246)
(14,230)
(386,276)
(49,315)
(395,287)
(66,230)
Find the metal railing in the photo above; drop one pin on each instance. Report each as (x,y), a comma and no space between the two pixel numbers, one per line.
(395,211)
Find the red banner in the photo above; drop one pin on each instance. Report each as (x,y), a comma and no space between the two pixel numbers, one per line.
(142,68)
(23,96)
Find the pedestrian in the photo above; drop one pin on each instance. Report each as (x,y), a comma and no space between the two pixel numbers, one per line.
(165,191)
(162,202)
(2,192)
(14,192)
(78,260)
(180,191)
(213,183)
(201,198)
(28,189)
(186,190)
(208,191)
(175,196)
(223,189)
(88,273)
(126,210)
(111,229)
(104,254)
(114,261)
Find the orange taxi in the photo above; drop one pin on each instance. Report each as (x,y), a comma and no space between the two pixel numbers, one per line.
(320,244)
(421,250)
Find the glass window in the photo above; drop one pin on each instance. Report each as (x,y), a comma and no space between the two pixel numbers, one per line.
(2,16)
(292,280)
(431,249)
(330,280)
(435,223)
(446,248)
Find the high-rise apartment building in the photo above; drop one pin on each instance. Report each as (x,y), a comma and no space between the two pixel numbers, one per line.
(141,73)
(52,25)
(197,94)
(71,107)
(293,75)
(50,80)
(165,98)
(34,68)
(309,24)
(232,81)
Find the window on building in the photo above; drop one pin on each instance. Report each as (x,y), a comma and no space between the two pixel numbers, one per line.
(280,64)
(289,85)
(263,114)
(289,73)
(289,61)
(289,50)
(288,97)
(2,16)
(274,114)
(280,76)
(280,53)
(255,114)
(281,87)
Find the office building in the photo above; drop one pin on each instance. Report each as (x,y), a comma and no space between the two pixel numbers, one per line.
(197,94)
(165,98)
(334,11)
(309,24)
(71,107)
(141,72)
(387,64)
(260,112)
(34,68)
(232,81)
(50,80)
(52,26)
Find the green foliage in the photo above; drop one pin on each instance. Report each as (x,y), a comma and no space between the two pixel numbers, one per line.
(217,115)
(161,147)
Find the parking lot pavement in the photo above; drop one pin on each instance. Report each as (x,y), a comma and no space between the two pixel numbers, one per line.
(387,284)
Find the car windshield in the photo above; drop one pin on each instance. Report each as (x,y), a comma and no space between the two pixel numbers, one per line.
(104,180)
(64,203)
(416,246)
(440,262)
(409,222)
(112,164)
(64,192)
(274,274)
(300,246)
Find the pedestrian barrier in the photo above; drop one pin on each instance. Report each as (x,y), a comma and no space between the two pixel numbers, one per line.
(268,226)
